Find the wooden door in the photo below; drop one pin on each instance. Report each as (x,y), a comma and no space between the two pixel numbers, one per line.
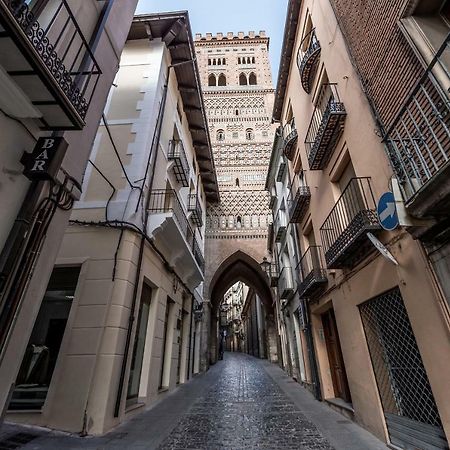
(337,368)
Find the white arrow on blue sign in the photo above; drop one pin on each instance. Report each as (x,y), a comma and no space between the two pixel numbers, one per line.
(387,212)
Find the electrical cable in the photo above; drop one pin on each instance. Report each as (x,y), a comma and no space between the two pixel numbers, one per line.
(114,190)
(20,123)
(121,224)
(105,122)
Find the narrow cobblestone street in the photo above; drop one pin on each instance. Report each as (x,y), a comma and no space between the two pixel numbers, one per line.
(240,403)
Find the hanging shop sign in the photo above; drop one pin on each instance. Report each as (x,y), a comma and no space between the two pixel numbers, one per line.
(45,160)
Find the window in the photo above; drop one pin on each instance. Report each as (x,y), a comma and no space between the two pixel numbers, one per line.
(166,346)
(220,135)
(41,354)
(242,79)
(222,80)
(239,60)
(219,62)
(252,79)
(209,61)
(214,61)
(249,135)
(212,80)
(139,345)
(253,60)
(235,134)
(223,61)
(428,27)
(237,182)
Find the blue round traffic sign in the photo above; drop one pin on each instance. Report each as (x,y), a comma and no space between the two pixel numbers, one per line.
(387,212)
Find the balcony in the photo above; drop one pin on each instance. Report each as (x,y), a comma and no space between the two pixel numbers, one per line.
(274,274)
(173,235)
(290,137)
(195,208)
(344,231)
(307,59)
(272,201)
(281,172)
(280,226)
(177,154)
(311,269)
(298,201)
(418,141)
(50,71)
(325,128)
(286,283)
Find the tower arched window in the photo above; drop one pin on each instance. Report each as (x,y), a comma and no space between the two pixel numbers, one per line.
(214,61)
(239,60)
(249,135)
(219,62)
(242,79)
(222,80)
(209,61)
(223,61)
(220,135)
(212,80)
(252,79)
(237,182)
(253,60)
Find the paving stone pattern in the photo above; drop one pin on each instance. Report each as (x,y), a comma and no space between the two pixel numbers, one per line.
(244,409)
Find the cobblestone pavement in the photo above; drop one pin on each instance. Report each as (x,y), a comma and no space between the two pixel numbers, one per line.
(240,403)
(245,409)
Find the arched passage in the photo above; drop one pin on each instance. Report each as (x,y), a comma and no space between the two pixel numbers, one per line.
(242,267)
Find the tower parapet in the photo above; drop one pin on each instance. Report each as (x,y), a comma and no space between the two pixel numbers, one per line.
(229,36)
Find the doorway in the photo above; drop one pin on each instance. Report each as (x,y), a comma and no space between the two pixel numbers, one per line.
(336,361)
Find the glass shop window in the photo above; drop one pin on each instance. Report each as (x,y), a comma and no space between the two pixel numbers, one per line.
(139,345)
(41,354)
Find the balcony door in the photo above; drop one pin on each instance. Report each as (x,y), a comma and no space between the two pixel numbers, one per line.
(336,361)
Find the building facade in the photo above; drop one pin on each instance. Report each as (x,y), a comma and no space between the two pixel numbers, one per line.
(237,87)
(58,60)
(362,101)
(231,328)
(117,329)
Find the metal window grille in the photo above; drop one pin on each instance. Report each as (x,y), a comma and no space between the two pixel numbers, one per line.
(401,377)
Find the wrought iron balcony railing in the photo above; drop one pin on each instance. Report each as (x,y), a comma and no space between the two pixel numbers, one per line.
(177,154)
(298,200)
(418,140)
(326,126)
(167,201)
(344,231)
(280,225)
(195,208)
(307,59)
(290,136)
(286,283)
(274,274)
(272,201)
(53,64)
(312,273)
(281,171)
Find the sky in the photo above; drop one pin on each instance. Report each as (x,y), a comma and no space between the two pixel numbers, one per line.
(239,15)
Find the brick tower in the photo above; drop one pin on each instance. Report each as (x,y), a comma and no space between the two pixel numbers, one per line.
(238,93)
